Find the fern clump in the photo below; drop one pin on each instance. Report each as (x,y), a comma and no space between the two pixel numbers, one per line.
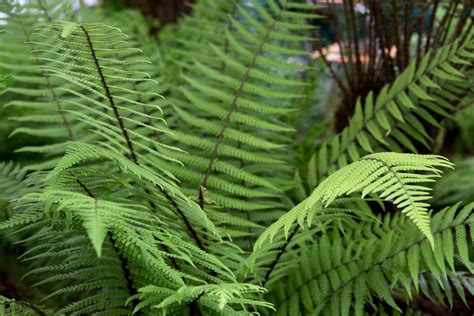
(167,175)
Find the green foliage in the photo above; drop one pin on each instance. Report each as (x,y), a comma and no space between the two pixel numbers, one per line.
(396,118)
(11,176)
(10,306)
(5,80)
(165,175)
(456,185)
(390,175)
(339,275)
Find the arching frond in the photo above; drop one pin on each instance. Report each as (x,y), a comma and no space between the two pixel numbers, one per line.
(390,175)
(213,298)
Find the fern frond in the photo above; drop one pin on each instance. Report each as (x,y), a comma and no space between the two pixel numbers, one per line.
(155,167)
(70,267)
(10,306)
(96,215)
(454,284)
(11,176)
(272,261)
(456,185)
(43,97)
(395,119)
(340,276)
(390,175)
(217,297)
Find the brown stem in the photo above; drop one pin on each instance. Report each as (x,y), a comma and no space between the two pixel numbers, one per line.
(406,34)
(281,251)
(430,28)
(43,8)
(233,106)
(356,40)
(421,20)
(448,25)
(386,61)
(462,20)
(228,26)
(123,261)
(132,155)
(442,25)
(338,38)
(335,76)
(110,98)
(184,218)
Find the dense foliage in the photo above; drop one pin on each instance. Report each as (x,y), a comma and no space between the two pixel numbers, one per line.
(196,172)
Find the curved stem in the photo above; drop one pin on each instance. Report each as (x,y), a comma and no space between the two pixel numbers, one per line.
(123,261)
(233,105)
(281,251)
(131,151)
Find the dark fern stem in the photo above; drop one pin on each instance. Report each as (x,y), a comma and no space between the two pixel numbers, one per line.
(233,106)
(132,155)
(280,253)
(128,141)
(194,310)
(123,261)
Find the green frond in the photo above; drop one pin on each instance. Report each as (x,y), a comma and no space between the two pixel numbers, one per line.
(97,216)
(396,118)
(215,297)
(390,175)
(11,176)
(67,265)
(10,306)
(339,275)
(456,185)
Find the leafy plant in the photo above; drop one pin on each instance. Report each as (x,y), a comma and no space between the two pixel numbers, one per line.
(165,175)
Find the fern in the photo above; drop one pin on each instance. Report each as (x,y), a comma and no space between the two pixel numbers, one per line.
(12,307)
(390,175)
(96,214)
(168,174)
(34,83)
(359,269)
(366,130)
(228,107)
(395,117)
(456,185)
(214,297)
(11,176)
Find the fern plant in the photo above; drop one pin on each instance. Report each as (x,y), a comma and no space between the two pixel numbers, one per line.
(164,175)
